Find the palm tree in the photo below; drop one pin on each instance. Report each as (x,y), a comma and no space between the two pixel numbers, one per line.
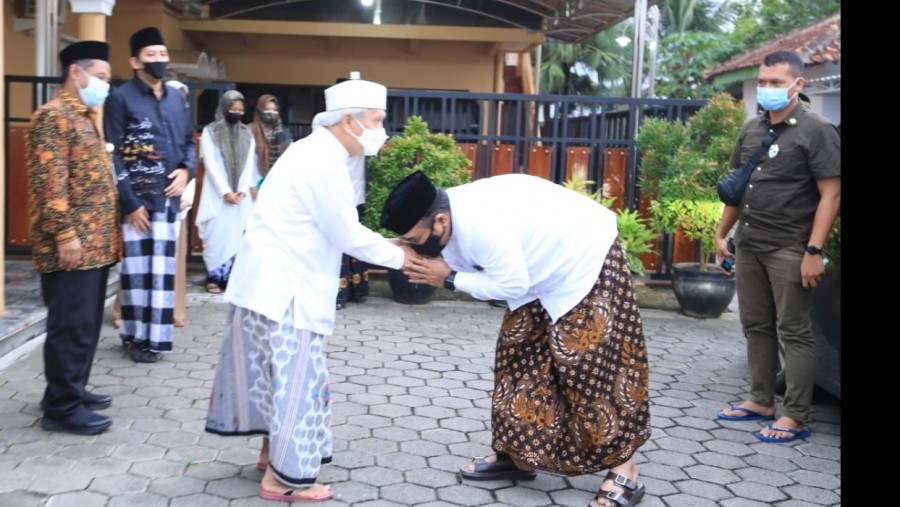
(679,16)
(585,68)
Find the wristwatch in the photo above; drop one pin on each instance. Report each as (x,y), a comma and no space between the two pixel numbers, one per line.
(813,250)
(448,282)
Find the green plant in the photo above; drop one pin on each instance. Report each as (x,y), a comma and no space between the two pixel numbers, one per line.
(416,149)
(635,233)
(681,165)
(636,237)
(581,185)
(698,221)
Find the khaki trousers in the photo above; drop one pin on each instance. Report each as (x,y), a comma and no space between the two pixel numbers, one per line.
(772,301)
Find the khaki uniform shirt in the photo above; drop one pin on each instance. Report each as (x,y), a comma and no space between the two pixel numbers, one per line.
(779,205)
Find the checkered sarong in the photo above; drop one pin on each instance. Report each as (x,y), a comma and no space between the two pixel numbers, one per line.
(148,282)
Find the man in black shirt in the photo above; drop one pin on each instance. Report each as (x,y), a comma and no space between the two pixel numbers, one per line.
(155,157)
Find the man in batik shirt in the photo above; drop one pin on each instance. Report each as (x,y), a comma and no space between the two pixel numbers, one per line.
(75,235)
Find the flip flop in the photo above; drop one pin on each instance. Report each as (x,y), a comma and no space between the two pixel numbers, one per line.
(795,434)
(750,415)
(287,495)
(502,469)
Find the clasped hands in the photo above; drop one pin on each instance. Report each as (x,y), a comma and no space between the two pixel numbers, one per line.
(234,197)
(423,270)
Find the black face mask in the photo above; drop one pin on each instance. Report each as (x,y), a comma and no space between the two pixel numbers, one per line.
(233,118)
(270,117)
(156,69)
(431,248)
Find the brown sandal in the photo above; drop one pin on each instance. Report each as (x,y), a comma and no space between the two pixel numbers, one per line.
(287,495)
(632,494)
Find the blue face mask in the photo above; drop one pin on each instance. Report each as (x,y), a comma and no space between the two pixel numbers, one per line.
(774,99)
(95,92)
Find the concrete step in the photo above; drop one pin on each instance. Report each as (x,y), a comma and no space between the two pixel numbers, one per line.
(25,316)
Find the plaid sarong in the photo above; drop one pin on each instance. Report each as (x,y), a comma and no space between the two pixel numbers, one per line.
(148,282)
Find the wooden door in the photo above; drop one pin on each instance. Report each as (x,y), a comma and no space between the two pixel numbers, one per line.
(540,161)
(17,216)
(502,156)
(578,160)
(615,167)
(471,152)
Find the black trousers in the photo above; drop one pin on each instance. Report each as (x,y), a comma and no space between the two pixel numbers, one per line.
(74,302)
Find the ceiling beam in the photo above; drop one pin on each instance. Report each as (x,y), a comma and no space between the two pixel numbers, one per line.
(357,30)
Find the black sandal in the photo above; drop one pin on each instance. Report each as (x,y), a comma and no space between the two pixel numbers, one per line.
(502,469)
(632,494)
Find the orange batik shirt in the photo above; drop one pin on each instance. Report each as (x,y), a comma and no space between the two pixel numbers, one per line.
(72,189)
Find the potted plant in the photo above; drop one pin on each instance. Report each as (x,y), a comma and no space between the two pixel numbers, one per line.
(681,164)
(416,149)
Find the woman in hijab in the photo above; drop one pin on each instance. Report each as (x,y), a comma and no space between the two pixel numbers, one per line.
(229,159)
(271,137)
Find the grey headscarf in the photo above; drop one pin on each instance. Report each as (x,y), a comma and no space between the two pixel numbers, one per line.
(232,140)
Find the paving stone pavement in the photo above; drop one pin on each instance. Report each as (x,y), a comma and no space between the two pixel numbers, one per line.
(411,389)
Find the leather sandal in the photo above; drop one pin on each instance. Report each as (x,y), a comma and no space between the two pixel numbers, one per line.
(632,494)
(287,495)
(502,469)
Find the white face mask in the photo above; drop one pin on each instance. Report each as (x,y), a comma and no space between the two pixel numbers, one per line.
(94,93)
(371,140)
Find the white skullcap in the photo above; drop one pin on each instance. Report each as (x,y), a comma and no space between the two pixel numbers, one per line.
(356,93)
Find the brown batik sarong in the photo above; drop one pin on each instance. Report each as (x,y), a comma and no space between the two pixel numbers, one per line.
(572,397)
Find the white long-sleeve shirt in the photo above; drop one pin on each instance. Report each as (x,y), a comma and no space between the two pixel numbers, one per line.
(358,179)
(519,238)
(304,219)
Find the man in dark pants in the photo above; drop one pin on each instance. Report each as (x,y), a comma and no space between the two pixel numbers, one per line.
(783,220)
(75,235)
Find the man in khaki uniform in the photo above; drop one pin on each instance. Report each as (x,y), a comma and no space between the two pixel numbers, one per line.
(783,220)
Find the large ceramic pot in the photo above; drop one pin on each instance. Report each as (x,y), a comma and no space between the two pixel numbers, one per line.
(406,292)
(702,294)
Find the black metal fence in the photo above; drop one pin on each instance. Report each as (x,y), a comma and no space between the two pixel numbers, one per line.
(523,121)
(520,122)
(483,122)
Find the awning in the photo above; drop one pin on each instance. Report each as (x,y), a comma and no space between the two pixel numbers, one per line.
(561,20)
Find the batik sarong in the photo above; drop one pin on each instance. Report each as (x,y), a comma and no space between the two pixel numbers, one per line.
(572,397)
(353,284)
(271,379)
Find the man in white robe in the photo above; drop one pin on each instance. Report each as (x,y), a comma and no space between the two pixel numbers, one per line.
(570,373)
(272,378)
